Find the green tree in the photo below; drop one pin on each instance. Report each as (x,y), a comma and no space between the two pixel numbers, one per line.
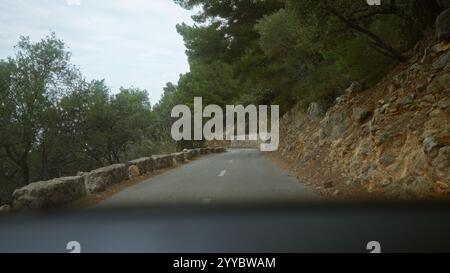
(131,114)
(34,83)
(333,18)
(234,19)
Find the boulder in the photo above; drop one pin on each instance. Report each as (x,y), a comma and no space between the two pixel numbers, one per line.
(314,111)
(360,114)
(433,141)
(145,165)
(133,171)
(49,194)
(439,84)
(98,180)
(429,98)
(335,124)
(443,25)
(441,62)
(441,164)
(430,146)
(340,99)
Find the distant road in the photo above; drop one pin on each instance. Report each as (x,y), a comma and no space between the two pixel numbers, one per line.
(237,175)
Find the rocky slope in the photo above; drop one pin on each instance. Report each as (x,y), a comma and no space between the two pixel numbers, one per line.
(389,140)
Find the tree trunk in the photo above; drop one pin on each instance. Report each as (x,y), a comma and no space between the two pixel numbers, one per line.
(390,51)
(25,169)
(21,163)
(44,162)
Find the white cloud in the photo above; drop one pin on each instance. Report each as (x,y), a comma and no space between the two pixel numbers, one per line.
(73,2)
(126,42)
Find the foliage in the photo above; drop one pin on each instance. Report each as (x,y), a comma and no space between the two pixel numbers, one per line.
(286,52)
(302,49)
(53,123)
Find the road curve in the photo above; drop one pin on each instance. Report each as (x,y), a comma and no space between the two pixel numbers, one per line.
(238,175)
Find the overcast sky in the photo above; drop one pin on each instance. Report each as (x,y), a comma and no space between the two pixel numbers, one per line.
(126,42)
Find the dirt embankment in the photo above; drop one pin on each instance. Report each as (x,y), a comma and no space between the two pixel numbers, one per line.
(389,140)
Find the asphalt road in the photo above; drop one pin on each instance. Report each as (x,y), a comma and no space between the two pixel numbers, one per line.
(238,175)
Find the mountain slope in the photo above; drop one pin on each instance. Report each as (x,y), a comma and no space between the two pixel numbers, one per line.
(390,140)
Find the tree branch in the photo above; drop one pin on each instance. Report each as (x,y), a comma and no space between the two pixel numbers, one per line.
(368,33)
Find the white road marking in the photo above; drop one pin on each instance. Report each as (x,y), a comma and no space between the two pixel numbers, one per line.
(231,160)
(206,200)
(222,173)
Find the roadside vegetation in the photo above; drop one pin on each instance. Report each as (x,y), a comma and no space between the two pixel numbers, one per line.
(289,52)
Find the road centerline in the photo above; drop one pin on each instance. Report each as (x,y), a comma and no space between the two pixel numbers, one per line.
(256,179)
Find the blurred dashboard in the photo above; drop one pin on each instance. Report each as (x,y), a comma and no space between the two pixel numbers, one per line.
(281,228)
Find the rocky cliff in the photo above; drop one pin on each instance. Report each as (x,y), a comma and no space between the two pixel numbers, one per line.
(389,140)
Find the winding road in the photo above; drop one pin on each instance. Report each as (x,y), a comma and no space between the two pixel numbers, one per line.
(238,175)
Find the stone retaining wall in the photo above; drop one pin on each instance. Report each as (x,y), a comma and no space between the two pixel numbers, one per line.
(145,165)
(98,180)
(163,161)
(179,158)
(49,194)
(61,191)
